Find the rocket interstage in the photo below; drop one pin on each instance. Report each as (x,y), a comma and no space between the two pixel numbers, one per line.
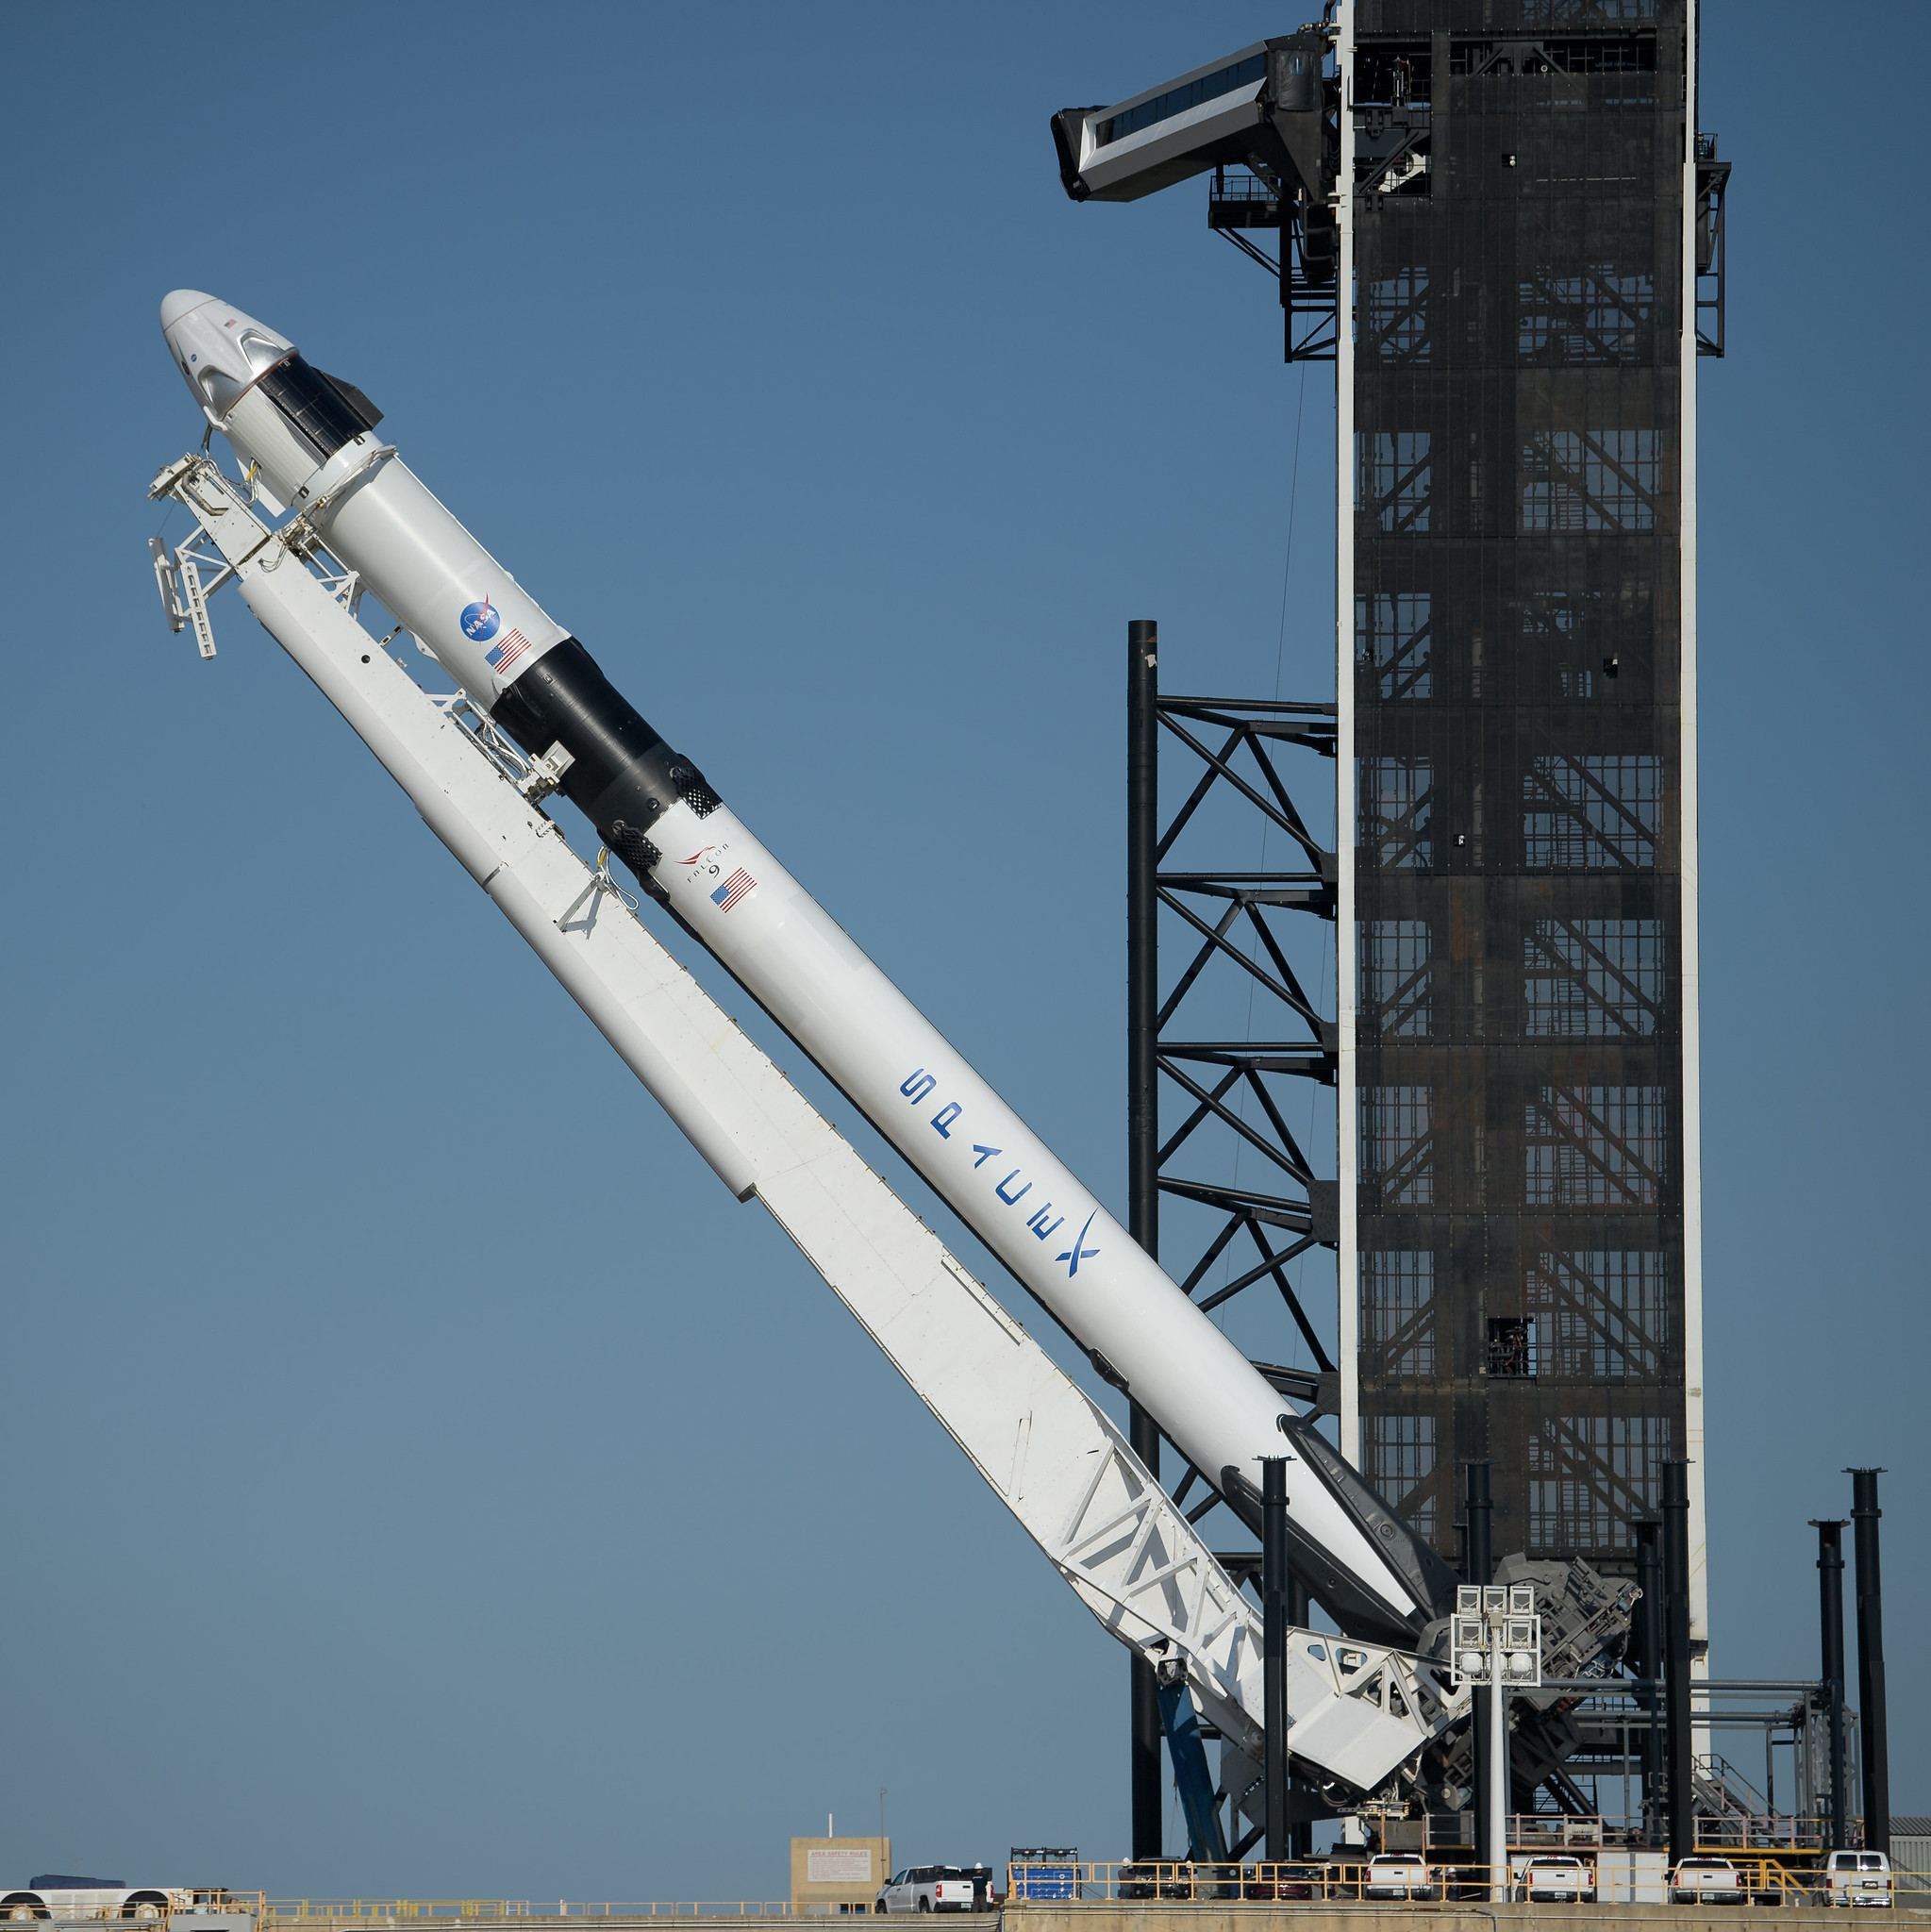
(307,440)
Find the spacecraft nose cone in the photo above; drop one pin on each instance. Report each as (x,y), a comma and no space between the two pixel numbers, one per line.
(178,303)
(220,351)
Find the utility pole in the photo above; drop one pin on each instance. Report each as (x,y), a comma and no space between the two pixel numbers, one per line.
(1498,1644)
(1830,1632)
(1481,1570)
(1648,1662)
(1273,1649)
(1874,1742)
(1677,1735)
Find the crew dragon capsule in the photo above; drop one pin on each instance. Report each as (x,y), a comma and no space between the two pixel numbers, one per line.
(308,442)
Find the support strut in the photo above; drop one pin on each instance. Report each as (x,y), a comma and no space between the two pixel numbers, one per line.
(1830,1636)
(1873,1740)
(1143,1134)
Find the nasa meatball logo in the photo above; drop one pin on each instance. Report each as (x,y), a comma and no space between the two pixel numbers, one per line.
(480,621)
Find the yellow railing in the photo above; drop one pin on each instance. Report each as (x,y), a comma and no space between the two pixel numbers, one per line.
(1767,1834)
(1761,1881)
(400,1911)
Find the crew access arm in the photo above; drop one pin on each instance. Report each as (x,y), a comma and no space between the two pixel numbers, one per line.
(1052,1455)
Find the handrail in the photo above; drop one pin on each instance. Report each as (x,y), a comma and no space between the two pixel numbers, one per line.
(1582,1874)
(411,1911)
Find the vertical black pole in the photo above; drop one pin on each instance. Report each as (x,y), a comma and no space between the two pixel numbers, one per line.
(1873,1738)
(1830,1631)
(1481,1511)
(1273,1647)
(1648,1661)
(1481,1568)
(1143,1125)
(1680,1786)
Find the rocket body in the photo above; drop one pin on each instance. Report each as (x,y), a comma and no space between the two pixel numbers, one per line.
(308,441)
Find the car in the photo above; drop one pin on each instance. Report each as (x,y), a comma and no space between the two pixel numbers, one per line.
(1707,1881)
(56,1897)
(1267,1881)
(1857,1878)
(1554,1878)
(1398,1874)
(935,1889)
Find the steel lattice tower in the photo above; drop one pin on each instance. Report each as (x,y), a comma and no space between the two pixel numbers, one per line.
(1526,207)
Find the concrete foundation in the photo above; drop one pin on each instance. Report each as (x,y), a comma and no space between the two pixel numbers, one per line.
(1418,1918)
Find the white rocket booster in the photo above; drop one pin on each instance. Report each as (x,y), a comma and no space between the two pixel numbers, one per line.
(308,442)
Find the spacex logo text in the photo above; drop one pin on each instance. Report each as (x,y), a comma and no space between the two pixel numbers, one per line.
(1012,1188)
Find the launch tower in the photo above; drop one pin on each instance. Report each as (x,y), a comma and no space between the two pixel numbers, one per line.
(1525,209)
(1499,221)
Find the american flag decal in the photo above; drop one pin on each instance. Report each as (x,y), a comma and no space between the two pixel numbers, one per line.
(513,647)
(733,890)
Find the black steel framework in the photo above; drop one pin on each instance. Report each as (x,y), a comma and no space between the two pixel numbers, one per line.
(1240,202)
(1231,920)
(1519,261)
(1225,923)
(1517,334)
(1712,191)
(1518,315)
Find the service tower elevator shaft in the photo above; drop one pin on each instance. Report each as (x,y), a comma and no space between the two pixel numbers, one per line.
(1515,621)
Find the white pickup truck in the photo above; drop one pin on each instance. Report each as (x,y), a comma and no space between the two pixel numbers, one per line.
(1707,1881)
(1556,1878)
(935,1889)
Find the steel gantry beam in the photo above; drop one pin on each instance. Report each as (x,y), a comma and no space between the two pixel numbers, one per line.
(1220,926)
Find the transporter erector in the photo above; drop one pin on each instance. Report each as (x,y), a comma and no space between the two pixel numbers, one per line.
(545,719)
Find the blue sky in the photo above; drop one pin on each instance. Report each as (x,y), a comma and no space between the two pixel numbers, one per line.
(422,1479)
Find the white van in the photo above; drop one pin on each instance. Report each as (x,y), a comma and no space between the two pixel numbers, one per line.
(1857,1878)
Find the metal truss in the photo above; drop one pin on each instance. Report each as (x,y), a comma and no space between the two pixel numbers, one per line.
(1239,200)
(1226,922)
(1231,922)
(1236,744)
(1128,1549)
(1712,192)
